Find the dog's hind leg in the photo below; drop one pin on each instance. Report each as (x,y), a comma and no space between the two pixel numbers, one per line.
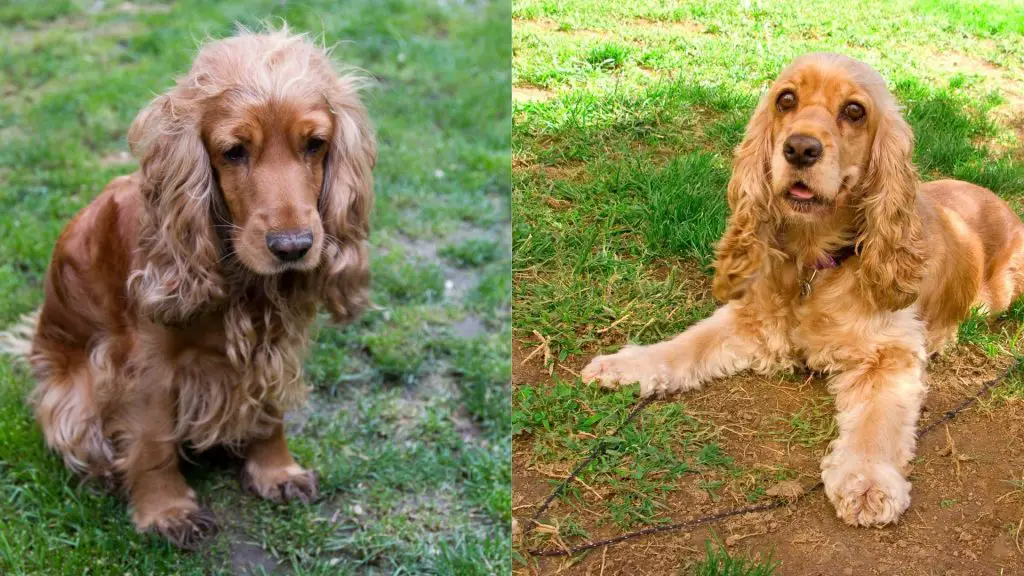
(1004,278)
(68,410)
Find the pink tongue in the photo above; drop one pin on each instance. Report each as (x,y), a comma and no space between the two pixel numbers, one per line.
(801,192)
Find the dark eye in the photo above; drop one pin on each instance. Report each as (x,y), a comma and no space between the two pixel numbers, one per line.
(786,101)
(236,153)
(313,145)
(853,111)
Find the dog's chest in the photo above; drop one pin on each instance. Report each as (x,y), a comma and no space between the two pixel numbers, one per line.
(828,321)
(238,377)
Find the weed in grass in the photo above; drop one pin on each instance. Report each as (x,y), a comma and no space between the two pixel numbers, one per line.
(711,455)
(718,562)
(403,340)
(607,56)
(810,426)
(492,294)
(473,252)
(482,368)
(406,280)
(712,487)
(975,329)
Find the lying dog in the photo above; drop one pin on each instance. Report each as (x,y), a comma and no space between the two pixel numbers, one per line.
(177,303)
(837,257)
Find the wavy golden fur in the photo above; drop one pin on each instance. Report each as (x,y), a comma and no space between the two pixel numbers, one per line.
(178,302)
(824,172)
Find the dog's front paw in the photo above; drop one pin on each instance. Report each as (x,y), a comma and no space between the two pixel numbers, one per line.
(630,365)
(182,523)
(867,494)
(281,484)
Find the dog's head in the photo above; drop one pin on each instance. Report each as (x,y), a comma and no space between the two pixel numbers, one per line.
(827,133)
(260,158)
(831,117)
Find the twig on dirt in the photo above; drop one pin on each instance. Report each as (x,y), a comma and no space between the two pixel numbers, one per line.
(544,346)
(1016,536)
(738,433)
(569,370)
(732,540)
(950,450)
(563,477)
(614,324)
(554,533)
(1007,495)
(644,327)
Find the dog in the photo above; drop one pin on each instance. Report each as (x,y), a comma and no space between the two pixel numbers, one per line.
(178,302)
(835,256)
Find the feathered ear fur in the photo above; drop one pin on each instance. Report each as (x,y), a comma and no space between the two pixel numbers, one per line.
(345,203)
(741,252)
(179,252)
(891,237)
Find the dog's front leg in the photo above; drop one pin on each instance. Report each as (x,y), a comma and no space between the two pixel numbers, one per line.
(878,405)
(713,348)
(161,499)
(271,472)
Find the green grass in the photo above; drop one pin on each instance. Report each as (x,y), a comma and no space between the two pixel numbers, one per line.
(650,146)
(408,424)
(641,465)
(622,142)
(718,562)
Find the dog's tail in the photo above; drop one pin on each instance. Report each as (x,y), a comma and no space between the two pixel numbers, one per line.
(16,340)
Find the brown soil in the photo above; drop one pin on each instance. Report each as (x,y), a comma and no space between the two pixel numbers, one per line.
(965,517)
(531,94)
(996,76)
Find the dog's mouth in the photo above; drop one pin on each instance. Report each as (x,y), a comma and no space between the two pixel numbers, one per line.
(802,199)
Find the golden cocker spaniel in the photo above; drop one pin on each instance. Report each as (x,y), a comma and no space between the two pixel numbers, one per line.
(177,302)
(837,257)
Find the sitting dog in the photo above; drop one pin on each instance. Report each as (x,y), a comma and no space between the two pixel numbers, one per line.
(177,303)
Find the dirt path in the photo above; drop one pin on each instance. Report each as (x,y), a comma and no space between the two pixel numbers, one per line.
(965,518)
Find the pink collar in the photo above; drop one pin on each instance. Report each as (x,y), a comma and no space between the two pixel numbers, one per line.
(835,259)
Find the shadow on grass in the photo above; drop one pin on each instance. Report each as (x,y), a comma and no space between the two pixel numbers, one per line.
(674,200)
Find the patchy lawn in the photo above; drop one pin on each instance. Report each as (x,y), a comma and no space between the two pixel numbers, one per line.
(624,118)
(408,425)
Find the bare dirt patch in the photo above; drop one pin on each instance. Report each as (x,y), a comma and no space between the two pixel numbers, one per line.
(552,26)
(531,94)
(965,517)
(249,558)
(1006,82)
(680,27)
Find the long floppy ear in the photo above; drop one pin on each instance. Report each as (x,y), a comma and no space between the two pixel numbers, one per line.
(891,237)
(179,254)
(741,252)
(345,204)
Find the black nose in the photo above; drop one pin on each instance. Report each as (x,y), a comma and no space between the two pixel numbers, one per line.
(290,245)
(802,151)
